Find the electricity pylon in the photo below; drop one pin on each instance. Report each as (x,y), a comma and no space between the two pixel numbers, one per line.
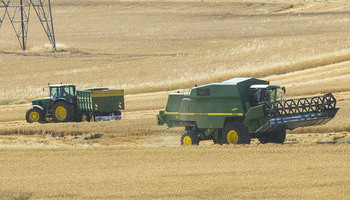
(18,12)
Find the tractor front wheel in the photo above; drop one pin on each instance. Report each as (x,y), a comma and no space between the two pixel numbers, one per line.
(62,112)
(189,138)
(235,133)
(34,115)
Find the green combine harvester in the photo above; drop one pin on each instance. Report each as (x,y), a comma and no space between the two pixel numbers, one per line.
(65,104)
(236,110)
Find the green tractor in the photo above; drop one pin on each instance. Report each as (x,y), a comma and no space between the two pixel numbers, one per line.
(65,104)
(236,110)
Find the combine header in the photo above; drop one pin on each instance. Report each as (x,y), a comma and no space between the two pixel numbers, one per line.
(234,111)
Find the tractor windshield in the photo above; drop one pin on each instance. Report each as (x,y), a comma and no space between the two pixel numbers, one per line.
(62,91)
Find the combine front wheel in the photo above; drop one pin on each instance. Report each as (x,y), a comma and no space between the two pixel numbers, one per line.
(235,133)
(189,138)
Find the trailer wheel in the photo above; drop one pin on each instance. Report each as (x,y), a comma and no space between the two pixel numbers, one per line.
(189,138)
(62,112)
(277,137)
(235,133)
(85,117)
(34,115)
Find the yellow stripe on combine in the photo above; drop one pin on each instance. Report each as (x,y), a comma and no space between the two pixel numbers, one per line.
(209,114)
(107,93)
(239,114)
(171,113)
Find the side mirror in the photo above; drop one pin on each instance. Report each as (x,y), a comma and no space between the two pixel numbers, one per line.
(284,90)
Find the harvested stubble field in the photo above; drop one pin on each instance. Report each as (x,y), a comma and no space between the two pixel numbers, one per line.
(153,48)
(204,172)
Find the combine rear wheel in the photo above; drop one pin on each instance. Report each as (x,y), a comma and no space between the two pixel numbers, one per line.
(34,115)
(189,138)
(62,112)
(235,133)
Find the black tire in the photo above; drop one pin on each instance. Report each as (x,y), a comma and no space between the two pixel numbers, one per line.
(35,115)
(277,137)
(85,117)
(189,138)
(235,133)
(280,137)
(62,112)
(264,138)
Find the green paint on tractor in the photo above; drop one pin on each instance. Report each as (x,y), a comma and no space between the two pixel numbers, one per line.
(236,110)
(66,104)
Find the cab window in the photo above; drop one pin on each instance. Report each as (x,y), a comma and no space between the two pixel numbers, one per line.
(203,92)
(258,95)
(53,93)
(69,90)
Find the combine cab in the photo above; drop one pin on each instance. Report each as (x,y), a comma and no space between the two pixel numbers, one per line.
(234,111)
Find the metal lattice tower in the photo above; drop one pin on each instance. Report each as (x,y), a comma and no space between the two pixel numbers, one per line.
(18,12)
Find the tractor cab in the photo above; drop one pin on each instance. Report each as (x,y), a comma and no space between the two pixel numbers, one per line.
(263,93)
(65,91)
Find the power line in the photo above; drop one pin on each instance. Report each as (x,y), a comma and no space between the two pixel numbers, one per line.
(18,11)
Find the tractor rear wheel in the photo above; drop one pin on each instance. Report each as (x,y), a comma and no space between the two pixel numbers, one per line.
(189,138)
(34,115)
(85,117)
(62,112)
(235,133)
(277,137)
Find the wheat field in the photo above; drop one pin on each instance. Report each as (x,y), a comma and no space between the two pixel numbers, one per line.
(153,48)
